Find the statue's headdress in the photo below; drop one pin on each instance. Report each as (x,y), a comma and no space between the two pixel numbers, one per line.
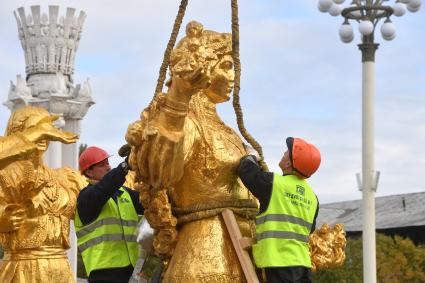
(199,47)
(18,119)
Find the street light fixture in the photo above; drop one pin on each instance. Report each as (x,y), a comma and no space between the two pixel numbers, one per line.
(368,13)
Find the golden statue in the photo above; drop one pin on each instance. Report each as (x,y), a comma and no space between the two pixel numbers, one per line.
(327,247)
(36,202)
(185,160)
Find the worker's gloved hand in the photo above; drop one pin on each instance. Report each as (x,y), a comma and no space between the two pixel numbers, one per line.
(11,218)
(251,151)
(125,151)
(128,163)
(125,166)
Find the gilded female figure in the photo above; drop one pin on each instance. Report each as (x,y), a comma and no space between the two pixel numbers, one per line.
(186,160)
(36,202)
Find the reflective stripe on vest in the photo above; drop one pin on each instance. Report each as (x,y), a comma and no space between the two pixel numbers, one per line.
(110,240)
(107,237)
(283,229)
(107,221)
(283,218)
(282,235)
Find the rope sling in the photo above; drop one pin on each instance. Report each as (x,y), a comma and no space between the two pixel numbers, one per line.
(237,66)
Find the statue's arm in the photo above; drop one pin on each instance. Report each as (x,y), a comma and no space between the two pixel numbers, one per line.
(159,160)
(71,179)
(11,210)
(158,142)
(23,145)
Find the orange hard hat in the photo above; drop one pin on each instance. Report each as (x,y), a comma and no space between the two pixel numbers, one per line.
(305,157)
(90,156)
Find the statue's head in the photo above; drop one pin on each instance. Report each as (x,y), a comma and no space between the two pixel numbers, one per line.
(25,118)
(209,50)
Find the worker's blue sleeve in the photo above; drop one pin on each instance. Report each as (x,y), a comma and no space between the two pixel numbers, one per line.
(93,197)
(258,182)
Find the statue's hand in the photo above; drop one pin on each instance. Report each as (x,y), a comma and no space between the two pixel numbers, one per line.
(12,217)
(78,181)
(45,130)
(186,84)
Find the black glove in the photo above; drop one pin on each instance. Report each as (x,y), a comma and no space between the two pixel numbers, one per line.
(125,166)
(251,151)
(124,151)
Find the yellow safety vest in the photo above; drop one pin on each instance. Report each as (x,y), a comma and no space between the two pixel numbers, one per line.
(110,240)
(283,229)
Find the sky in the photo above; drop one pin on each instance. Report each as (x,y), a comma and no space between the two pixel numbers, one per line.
(298,79)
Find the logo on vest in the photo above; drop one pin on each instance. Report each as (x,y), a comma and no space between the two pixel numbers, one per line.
(299,199)
(300,190)
(124,200)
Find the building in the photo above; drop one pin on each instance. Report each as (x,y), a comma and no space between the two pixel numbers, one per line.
(402,215)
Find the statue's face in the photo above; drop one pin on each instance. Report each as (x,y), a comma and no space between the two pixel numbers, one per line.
(222,80)
(42,145)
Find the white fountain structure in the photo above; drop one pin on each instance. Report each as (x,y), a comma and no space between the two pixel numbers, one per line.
(50,43)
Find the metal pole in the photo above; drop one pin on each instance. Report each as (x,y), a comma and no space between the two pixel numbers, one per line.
(368,13)
(368,49)
(368,209)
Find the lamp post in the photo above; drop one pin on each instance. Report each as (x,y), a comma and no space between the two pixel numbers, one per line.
(368,13)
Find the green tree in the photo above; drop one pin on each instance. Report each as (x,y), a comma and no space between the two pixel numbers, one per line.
(398,260)
(81,148)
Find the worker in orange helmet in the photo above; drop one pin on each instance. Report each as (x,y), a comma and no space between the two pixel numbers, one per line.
(288,211)
(106,219)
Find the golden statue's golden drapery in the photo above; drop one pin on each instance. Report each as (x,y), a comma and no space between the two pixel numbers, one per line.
(327,247)
(186,158)
(35,248)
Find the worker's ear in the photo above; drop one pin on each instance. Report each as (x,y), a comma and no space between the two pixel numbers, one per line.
(88,174)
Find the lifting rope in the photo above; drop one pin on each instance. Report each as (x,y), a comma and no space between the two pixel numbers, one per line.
(237,66)
(170,45)
(237,87)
